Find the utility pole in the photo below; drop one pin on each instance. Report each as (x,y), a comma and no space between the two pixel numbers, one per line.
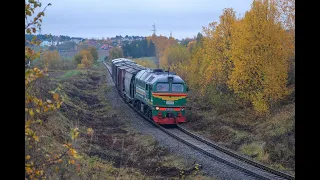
(154,34)
(170,34)
(154,29)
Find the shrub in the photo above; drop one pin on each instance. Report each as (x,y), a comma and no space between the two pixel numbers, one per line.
(51,59)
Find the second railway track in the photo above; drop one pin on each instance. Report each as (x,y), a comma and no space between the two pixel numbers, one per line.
(217,152)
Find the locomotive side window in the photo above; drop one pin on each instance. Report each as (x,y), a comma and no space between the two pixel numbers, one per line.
(162,87)
(177,87)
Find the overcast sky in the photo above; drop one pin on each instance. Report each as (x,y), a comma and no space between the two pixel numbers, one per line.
(108,18)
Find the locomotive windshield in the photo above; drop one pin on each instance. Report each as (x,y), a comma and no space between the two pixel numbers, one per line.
(177,87)
(162,87)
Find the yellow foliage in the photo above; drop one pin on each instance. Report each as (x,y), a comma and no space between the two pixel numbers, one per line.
(248,55)
(71,161)
(259,104)
(55,96)
(35,107)
(51,59)
(161,43)
(217,50)
(173,54)
(191,45)
(74,133)
(260,56)
(81,66)
(90,131)
(87,59)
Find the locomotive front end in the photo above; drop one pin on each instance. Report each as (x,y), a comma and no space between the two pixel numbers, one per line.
(169,102)
(169,108)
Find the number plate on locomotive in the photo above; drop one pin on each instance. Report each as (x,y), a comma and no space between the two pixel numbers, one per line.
(169,109)
(170,102)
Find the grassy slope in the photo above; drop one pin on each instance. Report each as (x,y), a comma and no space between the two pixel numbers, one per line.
(269,139)
(104,155)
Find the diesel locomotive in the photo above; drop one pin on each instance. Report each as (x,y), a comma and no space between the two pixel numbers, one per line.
(158,94)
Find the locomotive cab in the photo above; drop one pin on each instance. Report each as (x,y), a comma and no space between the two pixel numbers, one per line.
(160,95)
(169,100)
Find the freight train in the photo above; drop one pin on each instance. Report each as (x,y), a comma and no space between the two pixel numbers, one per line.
(160,95)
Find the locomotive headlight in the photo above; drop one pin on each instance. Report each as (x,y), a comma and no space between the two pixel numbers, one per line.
(182,109)
(157,108)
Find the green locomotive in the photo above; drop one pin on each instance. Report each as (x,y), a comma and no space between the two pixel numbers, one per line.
(160,95)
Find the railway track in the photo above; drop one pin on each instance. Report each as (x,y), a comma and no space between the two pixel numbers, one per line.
(219,153)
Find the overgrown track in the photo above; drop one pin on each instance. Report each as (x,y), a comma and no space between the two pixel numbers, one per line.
(216,152)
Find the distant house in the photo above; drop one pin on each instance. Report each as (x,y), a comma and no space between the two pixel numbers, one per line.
(105,47)
(76,40)
(49,43)
(92,43)
(45,43)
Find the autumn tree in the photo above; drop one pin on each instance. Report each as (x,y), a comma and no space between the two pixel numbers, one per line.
(210,61)
(184,42)
(191,45)
(51,59)
(161,43)
(87,59)
(173,55)
(259,55)
(217,49)
(195,68)
(85,63)
(94,53)
(287,19)
(38,160)
(199,38)
(79,57)
(188,65)
(115,53)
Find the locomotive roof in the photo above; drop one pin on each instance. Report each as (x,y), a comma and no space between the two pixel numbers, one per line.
(146,75)
(123,63)
(121,60)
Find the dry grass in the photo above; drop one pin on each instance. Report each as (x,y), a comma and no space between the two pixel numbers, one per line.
(115,151)
(269,139)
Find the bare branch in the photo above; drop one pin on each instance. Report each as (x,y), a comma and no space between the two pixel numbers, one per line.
(34,22)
